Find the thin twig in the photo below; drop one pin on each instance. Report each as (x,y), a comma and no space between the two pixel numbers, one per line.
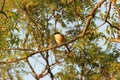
(1,11)
(109,8)
(115,40)
(45,71)
(17,49)
(116,7)
(34,73)
(118,28)
(92,13)
(107,15)
(101,25)
(3,5)
(38,61)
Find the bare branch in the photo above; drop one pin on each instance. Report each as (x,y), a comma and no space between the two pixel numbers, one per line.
(1,11)
(116,7)
(115,40)
(118,28)
(12,61)
(3,5)
(107,18)
(38,61)
(101,25)
(17,49)
(45,71)
(107,15)
(92,13)
(33,72)
(48,65)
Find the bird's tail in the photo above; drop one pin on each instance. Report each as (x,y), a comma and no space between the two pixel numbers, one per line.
(67,48)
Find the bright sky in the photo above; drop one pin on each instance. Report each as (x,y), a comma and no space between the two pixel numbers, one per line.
(38,68)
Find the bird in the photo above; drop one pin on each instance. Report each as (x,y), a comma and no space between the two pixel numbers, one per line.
(59,38)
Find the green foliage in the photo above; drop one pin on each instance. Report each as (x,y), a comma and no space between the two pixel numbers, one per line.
(91,63)
(30,24)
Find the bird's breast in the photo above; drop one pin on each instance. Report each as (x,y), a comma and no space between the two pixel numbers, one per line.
(59,38)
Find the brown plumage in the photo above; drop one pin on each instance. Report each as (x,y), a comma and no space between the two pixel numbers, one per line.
(59,38)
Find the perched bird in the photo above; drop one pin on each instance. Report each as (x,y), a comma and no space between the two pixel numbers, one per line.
(59,38)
